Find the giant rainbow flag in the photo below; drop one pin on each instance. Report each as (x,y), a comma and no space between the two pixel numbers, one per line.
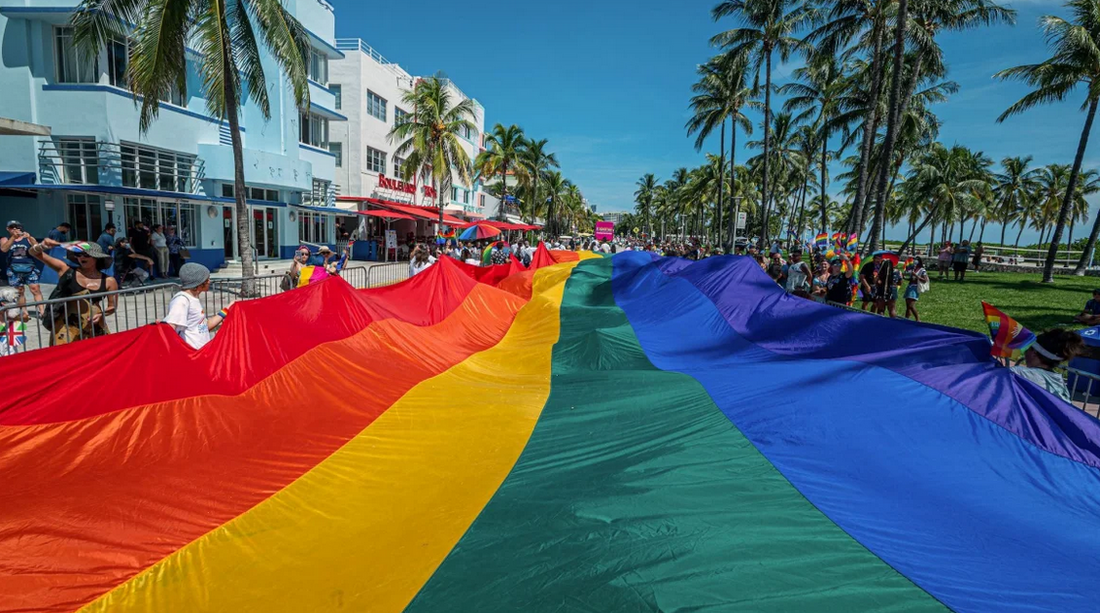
(602,434)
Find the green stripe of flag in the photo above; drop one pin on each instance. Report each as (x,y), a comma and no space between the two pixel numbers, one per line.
(635,493)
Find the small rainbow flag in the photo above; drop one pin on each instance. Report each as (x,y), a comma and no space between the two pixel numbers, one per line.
(856,261)
(14,334)
(448,235)
(1010,339)
(822,241)
(853,243)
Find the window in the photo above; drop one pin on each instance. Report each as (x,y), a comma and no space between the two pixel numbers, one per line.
(166,212)
(483,201)
(376,105)
(376,160)
(314,130)
(151,168)
(315,228)
(466,132)
(318,66)
(318,196)
(399,116)
(266,195)
(337,93)
(454,194)
(465,196)
(79,160)
(72,67)
(227,190)
(118,57)
(398,167)
(337,151)
(84,215)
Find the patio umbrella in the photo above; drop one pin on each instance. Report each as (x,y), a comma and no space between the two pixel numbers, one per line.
(479,231)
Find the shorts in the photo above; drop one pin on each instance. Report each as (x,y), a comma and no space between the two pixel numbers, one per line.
(959,266)
(19,279)
(911,293)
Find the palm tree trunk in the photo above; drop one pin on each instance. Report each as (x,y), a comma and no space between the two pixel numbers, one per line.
(981,235)
(1018,235)
(735,202)
(973,227)
(1091,244)
(767,147)
(721,180)
(244,222)
(802,203)
(913,235)
(870,128)
(893,118)
(504,200)
(824,198)
(932,237)
(1004,226)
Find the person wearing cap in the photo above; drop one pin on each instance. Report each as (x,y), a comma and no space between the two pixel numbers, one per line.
(185,312)
(839,285)
(80,274)
(1050,350)
(22,273)
(1090,316)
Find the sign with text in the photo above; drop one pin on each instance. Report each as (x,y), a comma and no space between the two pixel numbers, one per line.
(391,239)
(605,230)
(742,219)
(385,182)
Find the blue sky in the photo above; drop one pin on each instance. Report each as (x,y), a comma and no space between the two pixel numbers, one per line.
(608,81)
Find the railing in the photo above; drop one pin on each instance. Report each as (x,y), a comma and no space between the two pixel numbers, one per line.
(135,307)
(382,275)
(88,162)
(358,44)
(146,305)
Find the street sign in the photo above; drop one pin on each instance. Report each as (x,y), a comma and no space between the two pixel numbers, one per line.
(742,220)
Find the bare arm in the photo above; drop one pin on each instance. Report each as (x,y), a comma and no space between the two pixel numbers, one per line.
(38,252)
(112,300)
(5,244)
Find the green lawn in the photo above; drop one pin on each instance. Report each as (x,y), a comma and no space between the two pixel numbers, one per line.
(1035,305)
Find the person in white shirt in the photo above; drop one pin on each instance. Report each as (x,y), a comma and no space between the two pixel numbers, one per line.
(185,312)
(420,261)
(160,246)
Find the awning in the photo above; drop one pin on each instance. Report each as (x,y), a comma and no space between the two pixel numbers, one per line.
(136,192)
(326,210)
(17,178)
(324,46)
(428,213)
(385,214)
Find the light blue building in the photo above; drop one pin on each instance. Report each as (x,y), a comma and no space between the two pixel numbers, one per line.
(97,167)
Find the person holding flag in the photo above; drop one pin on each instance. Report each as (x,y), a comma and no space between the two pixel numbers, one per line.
(840,287)
(1047,353)
(918,284)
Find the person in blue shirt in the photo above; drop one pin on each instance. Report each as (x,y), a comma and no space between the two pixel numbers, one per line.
(107,239)
(1090,316)
(61,232)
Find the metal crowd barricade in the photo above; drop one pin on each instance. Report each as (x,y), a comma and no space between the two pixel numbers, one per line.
(1080,390)
(223,292)
(356,276)
(135,307)
(381,275)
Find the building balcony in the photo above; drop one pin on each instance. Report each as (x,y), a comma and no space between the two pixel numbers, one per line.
(89,162)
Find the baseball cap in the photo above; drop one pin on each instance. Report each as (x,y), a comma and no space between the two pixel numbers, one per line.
(14,224)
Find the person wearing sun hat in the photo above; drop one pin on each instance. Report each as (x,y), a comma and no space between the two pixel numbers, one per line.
(81,273)
(185,312)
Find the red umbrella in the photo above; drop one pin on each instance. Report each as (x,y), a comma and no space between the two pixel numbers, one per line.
(386,214)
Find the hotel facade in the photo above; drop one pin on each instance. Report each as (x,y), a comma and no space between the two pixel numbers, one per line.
(96,167)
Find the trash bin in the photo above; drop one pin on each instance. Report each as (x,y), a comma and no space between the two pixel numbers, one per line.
(1089,363)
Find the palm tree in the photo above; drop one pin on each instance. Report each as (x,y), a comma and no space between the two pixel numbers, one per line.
(818,91)
(534,163)
(430,144)
(768,28)
(720,94)
(644,199)
(863,21)
(503,148)
(556,188)
(227,40)
(1012,190)
(946,179)
(1075,45)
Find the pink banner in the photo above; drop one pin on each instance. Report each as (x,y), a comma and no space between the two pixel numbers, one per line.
(605,230)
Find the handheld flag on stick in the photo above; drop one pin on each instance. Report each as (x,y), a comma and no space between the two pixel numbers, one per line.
(1010,339)
(13,334)
(853,243)
(822,241)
